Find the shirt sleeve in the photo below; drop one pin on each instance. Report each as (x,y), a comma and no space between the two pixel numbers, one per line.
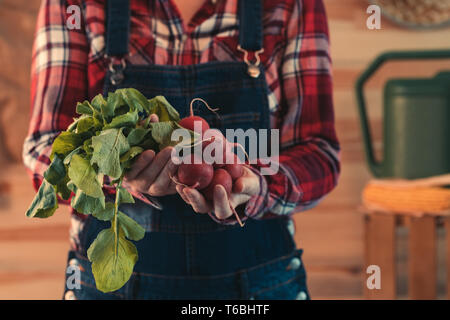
(308,164)
(58,81)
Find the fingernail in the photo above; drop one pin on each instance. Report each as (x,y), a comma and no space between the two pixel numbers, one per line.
(149,155)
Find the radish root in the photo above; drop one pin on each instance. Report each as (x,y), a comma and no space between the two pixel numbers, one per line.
(237,216)
(182,184)
(242,148)
(191,107)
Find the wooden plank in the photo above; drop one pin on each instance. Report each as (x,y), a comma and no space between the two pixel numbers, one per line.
(333,284)
(380,250)
(447,256)
(339,247)
(422,258)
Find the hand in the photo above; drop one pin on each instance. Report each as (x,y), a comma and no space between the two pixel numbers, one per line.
(243,189)
(150,174)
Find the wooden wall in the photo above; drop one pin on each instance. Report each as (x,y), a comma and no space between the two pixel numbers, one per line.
(33,252)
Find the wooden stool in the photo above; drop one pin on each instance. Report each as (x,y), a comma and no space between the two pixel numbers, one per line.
(380,250)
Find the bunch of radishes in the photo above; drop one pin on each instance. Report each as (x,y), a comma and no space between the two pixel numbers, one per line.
(195,172)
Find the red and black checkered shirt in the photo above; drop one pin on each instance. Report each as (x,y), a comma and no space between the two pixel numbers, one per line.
(70,66)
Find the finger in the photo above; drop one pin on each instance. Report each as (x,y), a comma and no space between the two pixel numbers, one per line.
(221,204)
(154,117)
(162,183)
(197,201)
(238,198)
(248,184)
(181,193)
(146,177)
(141,162)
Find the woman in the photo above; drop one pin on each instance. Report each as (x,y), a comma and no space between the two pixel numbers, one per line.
(149,45)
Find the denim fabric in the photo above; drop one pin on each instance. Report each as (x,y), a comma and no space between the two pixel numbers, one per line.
(271,280)
(185,255)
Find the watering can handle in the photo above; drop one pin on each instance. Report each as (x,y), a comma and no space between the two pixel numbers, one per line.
(376,166)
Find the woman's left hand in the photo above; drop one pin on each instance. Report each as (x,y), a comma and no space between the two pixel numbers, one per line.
(243,189)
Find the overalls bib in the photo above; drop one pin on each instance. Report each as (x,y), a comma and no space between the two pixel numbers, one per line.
(185,255)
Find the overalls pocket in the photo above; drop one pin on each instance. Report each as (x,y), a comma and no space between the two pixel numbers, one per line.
(285,282)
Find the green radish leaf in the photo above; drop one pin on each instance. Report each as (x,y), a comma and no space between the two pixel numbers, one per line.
(44,203)
(70,155)
(115,102)
(124,196)
(84,177)
(112,268)
(66,142)
(136,136)
(108,107)
(130,154)
(162,133)
(87,147)
(105,214)
(56,172)
(108,147)
(131,228)
(121,110)
(160,106)
(99,103)
(85,204)
(134,99)
(62,190)
(86,123)
(128,119)
(84,108)
(73,125)
(149,143)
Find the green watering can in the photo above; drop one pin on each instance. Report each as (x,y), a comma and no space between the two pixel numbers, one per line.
(416,121)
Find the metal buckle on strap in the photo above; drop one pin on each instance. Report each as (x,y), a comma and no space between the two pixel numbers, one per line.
(252,67)
(116,67)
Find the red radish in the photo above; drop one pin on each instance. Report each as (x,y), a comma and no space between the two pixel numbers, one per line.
(190,121)
(214,140)
(236,170)
(195,175)
(221,177)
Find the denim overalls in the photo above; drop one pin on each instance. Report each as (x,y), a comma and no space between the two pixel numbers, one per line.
(186,255)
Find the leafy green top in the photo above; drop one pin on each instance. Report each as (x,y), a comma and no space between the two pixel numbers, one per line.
(102,143)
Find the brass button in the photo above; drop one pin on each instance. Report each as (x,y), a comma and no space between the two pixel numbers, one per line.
(253,71)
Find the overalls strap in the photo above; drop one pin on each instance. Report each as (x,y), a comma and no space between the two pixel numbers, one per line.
(250,25)
(117,27)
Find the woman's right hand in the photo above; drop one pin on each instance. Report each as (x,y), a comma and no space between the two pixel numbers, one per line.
(150,173)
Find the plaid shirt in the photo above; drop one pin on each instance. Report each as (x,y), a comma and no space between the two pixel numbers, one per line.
(70,66)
